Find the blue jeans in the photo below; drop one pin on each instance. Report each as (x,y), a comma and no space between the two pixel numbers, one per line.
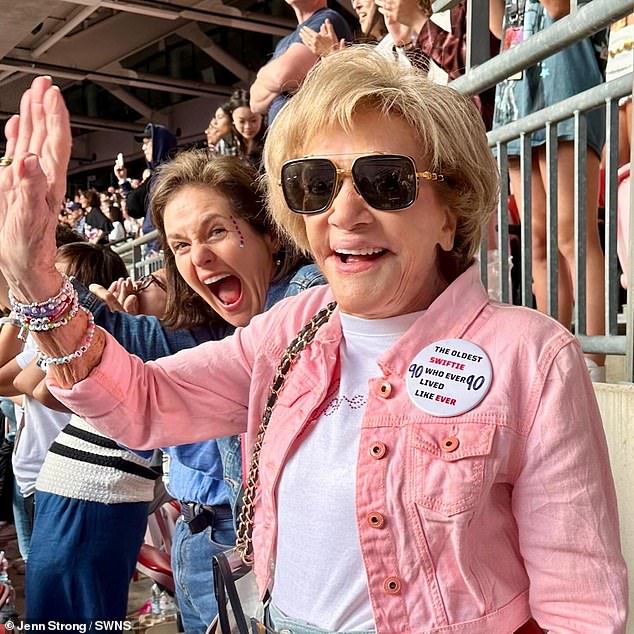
(286,625)
(23,522)
(193,573)
(8,409)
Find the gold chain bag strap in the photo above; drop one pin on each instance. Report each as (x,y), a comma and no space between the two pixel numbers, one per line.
(304,337)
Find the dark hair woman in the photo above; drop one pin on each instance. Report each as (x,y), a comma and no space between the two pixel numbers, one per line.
(249,128)
(97,226)
(93,263)
(220,137)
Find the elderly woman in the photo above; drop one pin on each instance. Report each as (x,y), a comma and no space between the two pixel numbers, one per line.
(425,469)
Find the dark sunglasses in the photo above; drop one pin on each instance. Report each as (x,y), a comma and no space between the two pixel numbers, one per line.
(387,182)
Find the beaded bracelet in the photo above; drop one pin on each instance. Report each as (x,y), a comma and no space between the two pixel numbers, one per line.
(50,308)
(42,324)
(46,362)
(47,315)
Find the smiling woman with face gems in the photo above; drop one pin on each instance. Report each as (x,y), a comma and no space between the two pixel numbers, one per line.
(424,468)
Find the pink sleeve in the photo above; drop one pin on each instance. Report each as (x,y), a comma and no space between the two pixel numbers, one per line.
(194,395)
(565,507)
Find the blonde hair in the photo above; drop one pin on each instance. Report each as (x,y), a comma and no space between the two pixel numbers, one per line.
(449,129)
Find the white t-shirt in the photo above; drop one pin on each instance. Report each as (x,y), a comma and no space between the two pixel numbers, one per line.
(117,233)
(320,577)
(40,427)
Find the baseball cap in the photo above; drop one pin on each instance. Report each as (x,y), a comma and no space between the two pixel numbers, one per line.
(147,134)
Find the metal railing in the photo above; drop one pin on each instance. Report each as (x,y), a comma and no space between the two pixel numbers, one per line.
(139,263)
(605,95)
(581,23)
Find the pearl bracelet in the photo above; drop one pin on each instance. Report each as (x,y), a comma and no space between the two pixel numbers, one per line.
(45,361)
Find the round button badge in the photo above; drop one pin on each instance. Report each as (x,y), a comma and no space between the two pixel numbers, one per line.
(449,377)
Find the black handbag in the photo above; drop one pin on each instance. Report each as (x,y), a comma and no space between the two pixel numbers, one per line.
(240,610)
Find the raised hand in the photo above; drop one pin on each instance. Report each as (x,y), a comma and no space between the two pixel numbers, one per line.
(43,128)
(32,186)
(125,291)
(323,42)
(108,296)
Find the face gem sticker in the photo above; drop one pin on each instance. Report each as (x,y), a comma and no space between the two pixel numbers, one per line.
(449,377)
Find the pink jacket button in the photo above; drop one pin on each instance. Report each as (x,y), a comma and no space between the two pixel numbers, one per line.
(449,444)
(385,389)
(392,585)
(378,450)
(375,520)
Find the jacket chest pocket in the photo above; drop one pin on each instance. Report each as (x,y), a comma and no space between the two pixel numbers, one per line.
(448,464)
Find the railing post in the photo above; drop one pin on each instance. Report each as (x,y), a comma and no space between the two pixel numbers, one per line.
(526,166)
(629,310)
(478,39)
(136,258)
(484,261)
(502,223)
(611,168)
(552,246)
(581,222)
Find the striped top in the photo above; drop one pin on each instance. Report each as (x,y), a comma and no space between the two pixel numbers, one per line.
(84,464)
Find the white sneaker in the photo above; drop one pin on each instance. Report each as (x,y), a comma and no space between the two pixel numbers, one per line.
(597,372)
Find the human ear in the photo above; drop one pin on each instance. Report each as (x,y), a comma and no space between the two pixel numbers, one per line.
(448,229)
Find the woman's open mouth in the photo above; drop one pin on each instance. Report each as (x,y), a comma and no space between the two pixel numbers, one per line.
(226,288)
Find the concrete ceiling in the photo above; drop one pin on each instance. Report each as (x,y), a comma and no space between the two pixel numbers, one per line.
(79,41)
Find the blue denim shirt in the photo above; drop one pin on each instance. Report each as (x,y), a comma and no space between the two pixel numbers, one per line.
(208,472)
(196,470)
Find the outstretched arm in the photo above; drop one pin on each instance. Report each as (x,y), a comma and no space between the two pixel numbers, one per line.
(31,189)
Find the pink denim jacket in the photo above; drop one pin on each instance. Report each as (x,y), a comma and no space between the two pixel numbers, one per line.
(519,520)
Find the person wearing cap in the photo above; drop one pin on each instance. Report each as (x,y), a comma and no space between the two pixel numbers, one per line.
(158,145)
(72,216)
